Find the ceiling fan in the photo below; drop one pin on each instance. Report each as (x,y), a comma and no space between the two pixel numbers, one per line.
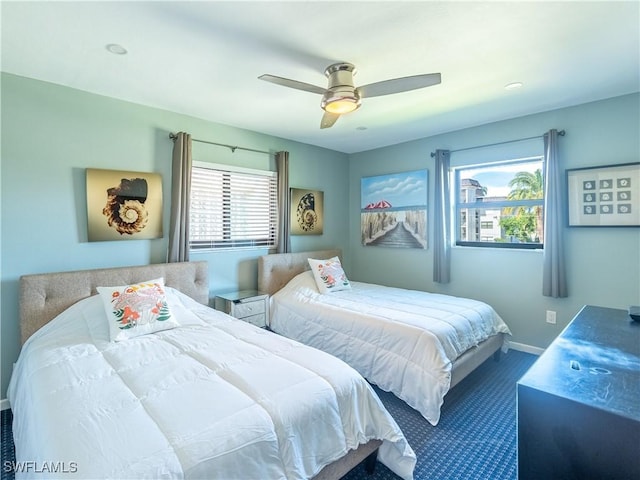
(341,96)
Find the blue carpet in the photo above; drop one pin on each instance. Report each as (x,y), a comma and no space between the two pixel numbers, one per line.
(475,439)
(476,436)
(8,453)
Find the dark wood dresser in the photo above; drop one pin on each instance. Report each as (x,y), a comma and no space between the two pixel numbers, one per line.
(579,403)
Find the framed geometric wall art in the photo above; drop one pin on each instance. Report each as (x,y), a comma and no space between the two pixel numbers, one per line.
(307,211)
(123,205)
(606,196)
(393,210)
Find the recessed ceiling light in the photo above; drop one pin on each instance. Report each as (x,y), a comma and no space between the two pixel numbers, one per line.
(116,49)
(513,86)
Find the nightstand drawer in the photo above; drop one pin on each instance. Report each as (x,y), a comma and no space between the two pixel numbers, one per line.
(259,320)
(247,309)
(250,306)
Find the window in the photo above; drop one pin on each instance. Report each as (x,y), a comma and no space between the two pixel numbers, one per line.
(500,204)
(232,207)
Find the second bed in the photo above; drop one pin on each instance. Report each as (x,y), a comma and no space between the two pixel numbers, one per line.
(412,343)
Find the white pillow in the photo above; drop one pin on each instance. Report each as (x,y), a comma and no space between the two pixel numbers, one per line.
(138,309)
(329,275)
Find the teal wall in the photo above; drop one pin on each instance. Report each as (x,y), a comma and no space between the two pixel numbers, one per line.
(51,134)
(603,264)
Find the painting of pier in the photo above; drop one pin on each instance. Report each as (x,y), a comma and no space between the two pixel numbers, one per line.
(393,210)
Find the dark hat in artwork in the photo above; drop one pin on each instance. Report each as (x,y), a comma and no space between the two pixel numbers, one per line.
(130,189)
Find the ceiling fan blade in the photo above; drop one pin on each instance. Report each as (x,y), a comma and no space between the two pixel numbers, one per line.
(287,82)
(328,119)
(398,85)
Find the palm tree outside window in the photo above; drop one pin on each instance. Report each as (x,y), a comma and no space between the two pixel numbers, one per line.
(528,186)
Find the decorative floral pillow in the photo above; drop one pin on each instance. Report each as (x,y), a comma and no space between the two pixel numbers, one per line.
(134,310)
(329,275)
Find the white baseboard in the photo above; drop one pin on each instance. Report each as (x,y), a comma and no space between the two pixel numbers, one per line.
(521,347)
(4,404)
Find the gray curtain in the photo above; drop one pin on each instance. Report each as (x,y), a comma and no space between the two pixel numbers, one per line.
(180,197)
(554,279)
(284,203)
(442,220)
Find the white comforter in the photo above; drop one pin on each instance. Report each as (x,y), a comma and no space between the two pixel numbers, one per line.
(404,341)
(214,398)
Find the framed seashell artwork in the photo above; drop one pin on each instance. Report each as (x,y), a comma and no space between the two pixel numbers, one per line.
(307,211)
(123,205)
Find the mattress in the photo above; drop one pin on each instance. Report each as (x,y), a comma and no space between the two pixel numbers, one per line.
(213,398)
(404,341)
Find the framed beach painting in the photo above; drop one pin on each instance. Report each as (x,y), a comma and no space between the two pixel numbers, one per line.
(393,210)
(123,205)
(606,196)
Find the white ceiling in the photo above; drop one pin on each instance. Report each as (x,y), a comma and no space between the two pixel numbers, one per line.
(204,58)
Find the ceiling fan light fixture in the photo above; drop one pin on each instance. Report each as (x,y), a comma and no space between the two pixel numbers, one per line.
(340,102)
(341,106)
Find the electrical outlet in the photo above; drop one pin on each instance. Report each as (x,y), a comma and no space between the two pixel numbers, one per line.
(551,316)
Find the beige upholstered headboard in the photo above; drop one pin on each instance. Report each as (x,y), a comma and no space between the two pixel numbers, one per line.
(275,271)
(44,296)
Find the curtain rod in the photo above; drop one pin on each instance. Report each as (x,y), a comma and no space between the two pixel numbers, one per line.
(561,133)
(233,148)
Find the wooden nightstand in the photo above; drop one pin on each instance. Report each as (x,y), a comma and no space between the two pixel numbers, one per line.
(247,305)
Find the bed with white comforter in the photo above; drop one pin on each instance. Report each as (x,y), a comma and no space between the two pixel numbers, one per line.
(404,341)
(213,398)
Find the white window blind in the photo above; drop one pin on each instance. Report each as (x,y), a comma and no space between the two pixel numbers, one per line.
(232,209)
